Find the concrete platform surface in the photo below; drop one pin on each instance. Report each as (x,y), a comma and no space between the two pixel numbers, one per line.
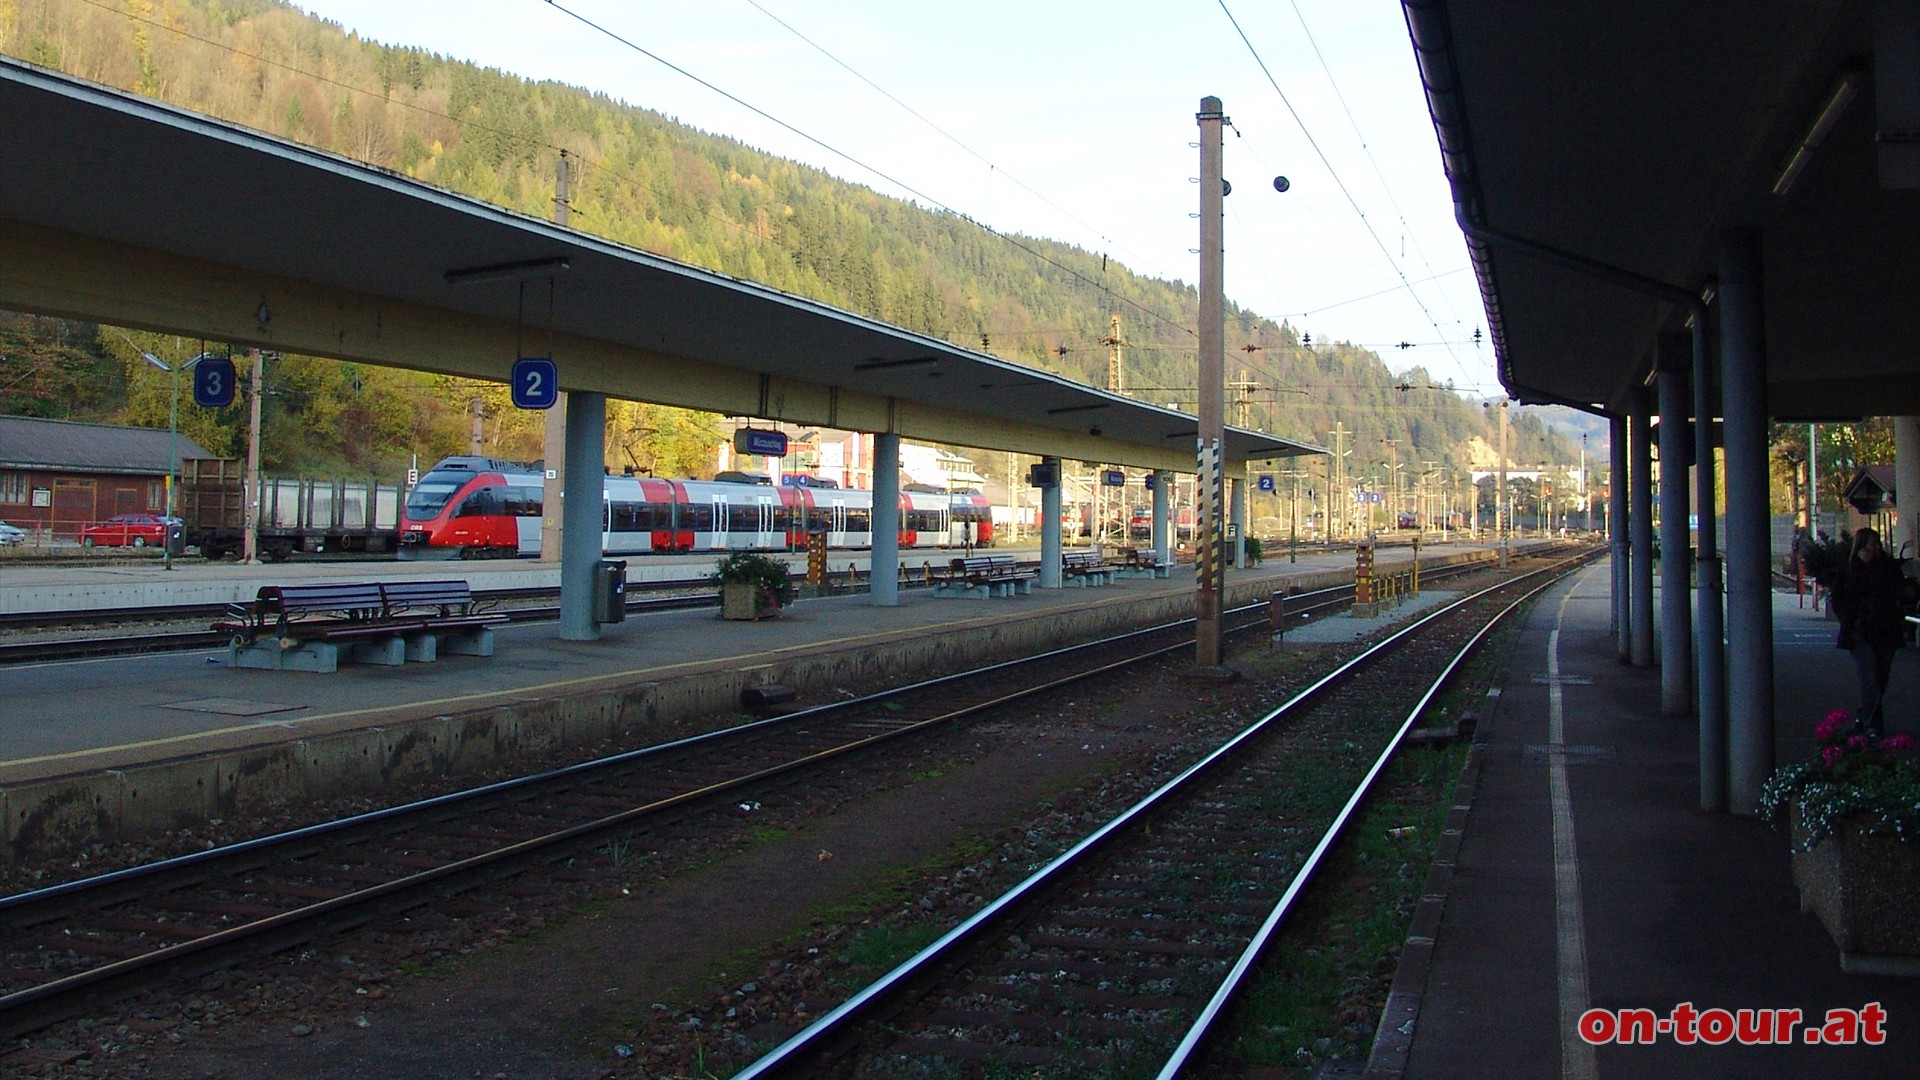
(1586,877)
(67,716)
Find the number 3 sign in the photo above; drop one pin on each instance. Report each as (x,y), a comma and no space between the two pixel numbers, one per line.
(536,383)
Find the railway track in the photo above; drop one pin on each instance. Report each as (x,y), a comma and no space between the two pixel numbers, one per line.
(77,942)
(98,937)
(1122,955)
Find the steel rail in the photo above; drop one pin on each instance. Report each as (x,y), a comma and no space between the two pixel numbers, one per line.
(1186,1053)
(21,907)
(800,1054)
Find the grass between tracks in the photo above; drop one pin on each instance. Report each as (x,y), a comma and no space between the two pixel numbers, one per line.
(1322,989)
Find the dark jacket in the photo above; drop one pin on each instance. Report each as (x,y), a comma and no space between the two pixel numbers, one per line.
(1871,602)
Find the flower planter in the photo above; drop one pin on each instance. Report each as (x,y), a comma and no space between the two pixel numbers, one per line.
(745,600)
(1863,889)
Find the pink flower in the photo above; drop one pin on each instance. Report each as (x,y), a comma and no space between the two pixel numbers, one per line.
(1856,742)
(1831,726)
(1897,742)
(1831,754)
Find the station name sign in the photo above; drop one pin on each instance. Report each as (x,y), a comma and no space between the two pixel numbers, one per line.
(760,441)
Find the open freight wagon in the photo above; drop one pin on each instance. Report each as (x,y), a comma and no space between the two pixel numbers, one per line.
(295,514)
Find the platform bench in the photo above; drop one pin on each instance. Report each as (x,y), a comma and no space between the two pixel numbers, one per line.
(1084,569)
(1143,562)
(981,576)
(311,627)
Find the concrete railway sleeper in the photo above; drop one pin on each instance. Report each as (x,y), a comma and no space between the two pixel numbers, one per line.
(1129,947)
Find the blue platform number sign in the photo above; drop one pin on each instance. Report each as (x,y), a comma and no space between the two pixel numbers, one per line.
(1116,478)
(213,382)
(1265,483)
(536,383)
(1150,481)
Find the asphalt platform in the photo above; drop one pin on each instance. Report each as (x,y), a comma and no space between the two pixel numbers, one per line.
(71,717)
(1627,896)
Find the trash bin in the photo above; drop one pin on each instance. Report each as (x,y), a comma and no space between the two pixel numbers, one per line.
(176,538)
(609,591)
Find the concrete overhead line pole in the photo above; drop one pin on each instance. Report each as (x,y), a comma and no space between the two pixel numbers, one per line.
(1208,570)
(555,440)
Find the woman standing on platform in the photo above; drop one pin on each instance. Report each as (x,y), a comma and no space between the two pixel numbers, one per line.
(1870,602)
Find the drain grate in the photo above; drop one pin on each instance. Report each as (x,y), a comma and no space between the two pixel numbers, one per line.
(226,706)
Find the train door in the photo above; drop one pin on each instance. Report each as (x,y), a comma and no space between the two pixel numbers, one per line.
(717,539)
(837,525)
(767,537)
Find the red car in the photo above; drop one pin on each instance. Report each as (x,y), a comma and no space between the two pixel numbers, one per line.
(121,530)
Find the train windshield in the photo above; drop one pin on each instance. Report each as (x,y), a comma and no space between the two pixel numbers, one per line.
(430,497)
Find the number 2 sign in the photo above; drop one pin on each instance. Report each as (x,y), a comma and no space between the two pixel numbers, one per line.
(536,383)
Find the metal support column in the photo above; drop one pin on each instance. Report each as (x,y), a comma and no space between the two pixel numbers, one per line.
(1617,537)
(1905,542)
(884,558)
(583,514)
(1162,523)
(1676,564)
(1743,381)
(1640,526)
(1050,528)
(1238,517)
(1709,647)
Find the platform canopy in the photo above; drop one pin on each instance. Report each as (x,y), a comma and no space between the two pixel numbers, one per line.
(1642,133)
(118,209)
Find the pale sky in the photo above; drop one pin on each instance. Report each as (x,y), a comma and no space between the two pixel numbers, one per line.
(1075,121)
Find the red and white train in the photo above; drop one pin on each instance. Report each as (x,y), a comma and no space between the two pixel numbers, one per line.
(476,507)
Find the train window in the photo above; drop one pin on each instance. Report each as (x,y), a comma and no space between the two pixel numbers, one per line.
(859,519)
(482,501)
(921,520)
(528,501)
(743,518)
(697,517)
(430,497)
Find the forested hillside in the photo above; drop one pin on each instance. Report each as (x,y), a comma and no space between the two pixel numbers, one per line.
(643,180)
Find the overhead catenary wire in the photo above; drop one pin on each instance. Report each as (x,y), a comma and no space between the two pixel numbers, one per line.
(858,163)
(995,168)
(1365,221)
(1367,149)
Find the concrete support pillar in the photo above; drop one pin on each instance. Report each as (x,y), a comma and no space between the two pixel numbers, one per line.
(1050,528)
(1743,380)
(582,513)
(1162,516)
(1906,477)
(1709,647)
(1676,562)
(885,555)
(1640,526)
(1237,515)
(1622,561)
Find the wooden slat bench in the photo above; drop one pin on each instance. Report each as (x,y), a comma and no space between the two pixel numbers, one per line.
(1084,569)
(1143,562)
(304,627)
(983,576)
